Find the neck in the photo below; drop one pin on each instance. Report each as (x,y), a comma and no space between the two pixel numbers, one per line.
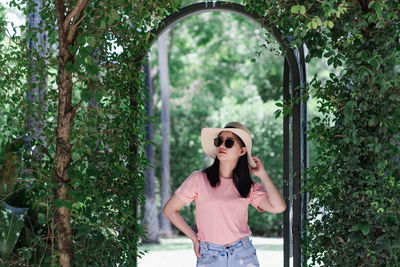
(226,168)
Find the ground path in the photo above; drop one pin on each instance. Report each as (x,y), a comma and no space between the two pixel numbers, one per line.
(178,252)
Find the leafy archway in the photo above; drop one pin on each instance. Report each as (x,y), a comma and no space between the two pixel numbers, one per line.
(293,66)
(355,179)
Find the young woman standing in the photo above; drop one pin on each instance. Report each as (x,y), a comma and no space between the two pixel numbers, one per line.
(222,193)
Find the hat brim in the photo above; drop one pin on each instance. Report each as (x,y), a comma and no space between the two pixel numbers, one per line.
(209,134)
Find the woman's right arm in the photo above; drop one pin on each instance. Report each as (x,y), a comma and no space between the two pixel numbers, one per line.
(171,211)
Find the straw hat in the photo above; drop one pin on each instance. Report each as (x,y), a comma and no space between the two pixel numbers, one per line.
(209,134)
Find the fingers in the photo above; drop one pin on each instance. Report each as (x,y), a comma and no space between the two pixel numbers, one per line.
(197,252)
(197,249)
(256,160)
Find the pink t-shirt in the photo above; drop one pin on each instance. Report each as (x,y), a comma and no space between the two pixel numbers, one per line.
(221,212)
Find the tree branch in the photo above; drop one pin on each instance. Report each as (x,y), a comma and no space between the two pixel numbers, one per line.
(75,109)
(75,13)
(60,10)
(72,30)
(93,134)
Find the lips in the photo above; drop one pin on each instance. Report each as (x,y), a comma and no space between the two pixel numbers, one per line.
(221,152)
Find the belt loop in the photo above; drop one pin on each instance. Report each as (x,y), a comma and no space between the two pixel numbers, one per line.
(207,247)
(243,242)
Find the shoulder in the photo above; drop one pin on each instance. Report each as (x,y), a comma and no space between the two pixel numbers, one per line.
(198,174)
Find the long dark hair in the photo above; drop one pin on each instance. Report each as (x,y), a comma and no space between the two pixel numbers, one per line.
(241,173)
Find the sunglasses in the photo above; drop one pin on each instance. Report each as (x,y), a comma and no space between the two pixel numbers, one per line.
(229,142)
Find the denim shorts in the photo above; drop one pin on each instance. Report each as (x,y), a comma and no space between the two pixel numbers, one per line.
(238,254)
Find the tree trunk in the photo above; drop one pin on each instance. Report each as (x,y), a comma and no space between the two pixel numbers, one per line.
(63,159)
(165,225)
(68,23)
(151,223)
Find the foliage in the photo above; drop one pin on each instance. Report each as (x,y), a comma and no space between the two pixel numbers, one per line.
(103,189)
(355,179)
(205,93)
(2,22)
(11,223)
(12,218)
(218,76)
(355,182)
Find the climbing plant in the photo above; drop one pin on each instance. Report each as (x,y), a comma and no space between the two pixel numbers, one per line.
(83,191)
(354,184)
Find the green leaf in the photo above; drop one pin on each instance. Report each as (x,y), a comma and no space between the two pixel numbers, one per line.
(302,10)
(27,254)
(295,9)
(89,151)
(114,17)
(83,229)
(364,229)
(318,21)
(92,41)
(81,40)
(373,121)
(11,223)
(92,170)
(41,218)
(355,227)
(378,148)
(86,94)
(71,68)
(314,24)
(330,60)
(375,63)
(103,24)
(98,95)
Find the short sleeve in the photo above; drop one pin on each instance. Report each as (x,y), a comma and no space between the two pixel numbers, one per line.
(187,191)
(257,193)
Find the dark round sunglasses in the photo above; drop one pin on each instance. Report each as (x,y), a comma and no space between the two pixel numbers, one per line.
(229,142)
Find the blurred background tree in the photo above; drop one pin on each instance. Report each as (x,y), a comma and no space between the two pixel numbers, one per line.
(219,72)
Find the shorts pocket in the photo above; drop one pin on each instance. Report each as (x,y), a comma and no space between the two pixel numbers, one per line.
(208,257)
(248,255)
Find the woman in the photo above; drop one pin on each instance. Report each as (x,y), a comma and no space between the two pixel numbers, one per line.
(222,193)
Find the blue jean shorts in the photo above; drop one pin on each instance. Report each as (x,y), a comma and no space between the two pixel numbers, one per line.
(238,254)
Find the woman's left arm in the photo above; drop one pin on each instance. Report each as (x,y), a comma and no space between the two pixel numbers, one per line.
(274,202)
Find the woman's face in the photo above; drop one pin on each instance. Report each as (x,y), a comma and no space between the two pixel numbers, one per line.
(233,153)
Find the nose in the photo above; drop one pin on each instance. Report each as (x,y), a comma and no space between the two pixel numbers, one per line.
(223,146)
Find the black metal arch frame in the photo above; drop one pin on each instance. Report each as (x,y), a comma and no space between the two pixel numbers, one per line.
(294,77)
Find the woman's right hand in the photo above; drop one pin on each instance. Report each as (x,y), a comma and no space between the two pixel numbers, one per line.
(196,247)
